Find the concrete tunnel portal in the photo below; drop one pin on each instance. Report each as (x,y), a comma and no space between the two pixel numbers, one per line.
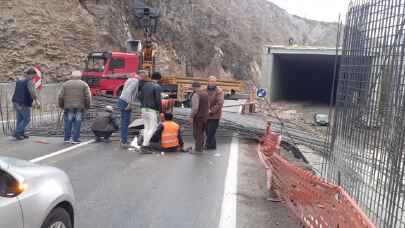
(300,74)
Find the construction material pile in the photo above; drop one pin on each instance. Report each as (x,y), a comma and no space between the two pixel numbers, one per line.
(233,124)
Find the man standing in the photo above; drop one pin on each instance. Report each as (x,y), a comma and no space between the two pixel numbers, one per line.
(150,107)
(199,115)
(125,104)
(74,98)
(216,101)
(24,97)
(104,125)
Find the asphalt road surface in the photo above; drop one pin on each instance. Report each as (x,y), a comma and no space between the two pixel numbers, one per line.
(120,188)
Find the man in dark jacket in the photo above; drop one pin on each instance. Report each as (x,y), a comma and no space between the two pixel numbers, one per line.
(167,137)
(150,107)
(74,98)
(24,97)
(216,101)
(104,125)
(199,115)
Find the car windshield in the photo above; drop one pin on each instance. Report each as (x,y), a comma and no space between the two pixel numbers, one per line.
(95,64)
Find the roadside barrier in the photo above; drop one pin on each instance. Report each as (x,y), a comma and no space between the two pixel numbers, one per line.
(315,202)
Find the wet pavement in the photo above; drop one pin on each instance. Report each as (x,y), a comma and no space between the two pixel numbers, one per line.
(121,188)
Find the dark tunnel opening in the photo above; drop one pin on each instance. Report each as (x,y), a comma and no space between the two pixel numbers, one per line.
(303,78)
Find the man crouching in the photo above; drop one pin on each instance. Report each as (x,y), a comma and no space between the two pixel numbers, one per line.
(104,125)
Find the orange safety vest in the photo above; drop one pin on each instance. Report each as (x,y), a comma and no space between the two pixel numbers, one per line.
(170,133)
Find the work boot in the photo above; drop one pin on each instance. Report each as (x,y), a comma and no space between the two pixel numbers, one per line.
(146,150)
(210,147)
(18,137)
(186,150)
(196,151)
(76,142)
(126,146)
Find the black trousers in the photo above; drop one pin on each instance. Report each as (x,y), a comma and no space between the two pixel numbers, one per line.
(212,126)
(103,134)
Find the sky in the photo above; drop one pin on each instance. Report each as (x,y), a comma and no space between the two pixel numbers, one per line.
(322,10)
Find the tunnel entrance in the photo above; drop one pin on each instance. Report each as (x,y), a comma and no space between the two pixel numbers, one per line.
(300,74)
(303,78)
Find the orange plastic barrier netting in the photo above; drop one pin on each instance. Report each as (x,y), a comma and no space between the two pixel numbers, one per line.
(315,202)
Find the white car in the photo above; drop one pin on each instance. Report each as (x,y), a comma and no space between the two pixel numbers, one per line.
(34,196)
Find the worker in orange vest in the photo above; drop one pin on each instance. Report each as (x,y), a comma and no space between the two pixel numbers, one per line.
(167,137)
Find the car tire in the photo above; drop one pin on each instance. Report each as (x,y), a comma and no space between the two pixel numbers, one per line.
(57,215)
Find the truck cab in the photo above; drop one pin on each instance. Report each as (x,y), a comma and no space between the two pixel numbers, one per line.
(106,72)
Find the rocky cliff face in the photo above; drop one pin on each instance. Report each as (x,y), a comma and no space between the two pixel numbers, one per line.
(219,37)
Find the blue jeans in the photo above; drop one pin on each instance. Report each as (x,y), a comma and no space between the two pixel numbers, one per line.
(125,118)
(73,122)
(23,117)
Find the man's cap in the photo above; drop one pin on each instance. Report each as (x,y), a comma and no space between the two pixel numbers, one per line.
(30,72)
(109,108)
(212,78)
(76,73)
(196,85)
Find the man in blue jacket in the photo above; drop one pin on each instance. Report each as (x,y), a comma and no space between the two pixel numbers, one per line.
(24,98)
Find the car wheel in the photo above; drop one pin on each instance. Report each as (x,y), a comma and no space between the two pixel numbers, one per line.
(58,218)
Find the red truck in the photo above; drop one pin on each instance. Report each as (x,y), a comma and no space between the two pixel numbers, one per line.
(106,72)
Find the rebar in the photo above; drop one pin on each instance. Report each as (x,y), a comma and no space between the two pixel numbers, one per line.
(365,152)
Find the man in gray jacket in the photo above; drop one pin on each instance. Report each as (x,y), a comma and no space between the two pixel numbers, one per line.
(126,103)
(74,98)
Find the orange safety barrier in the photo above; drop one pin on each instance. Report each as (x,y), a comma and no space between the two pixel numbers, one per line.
(314,201)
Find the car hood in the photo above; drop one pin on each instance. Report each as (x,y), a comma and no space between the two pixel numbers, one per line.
(9,162)
(24,169)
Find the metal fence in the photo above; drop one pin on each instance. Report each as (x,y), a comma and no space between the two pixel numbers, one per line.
(48,120)
(48,113)
(367,136)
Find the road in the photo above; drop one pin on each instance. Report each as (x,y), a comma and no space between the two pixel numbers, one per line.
(121,188)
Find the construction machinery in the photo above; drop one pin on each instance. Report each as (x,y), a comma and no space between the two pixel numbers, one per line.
(106,72)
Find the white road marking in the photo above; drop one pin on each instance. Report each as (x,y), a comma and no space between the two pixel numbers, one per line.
(229,201)
(59,152)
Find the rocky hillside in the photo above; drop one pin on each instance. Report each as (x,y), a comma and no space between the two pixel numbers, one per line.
(220,37)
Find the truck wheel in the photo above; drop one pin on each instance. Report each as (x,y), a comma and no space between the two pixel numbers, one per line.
(57,218)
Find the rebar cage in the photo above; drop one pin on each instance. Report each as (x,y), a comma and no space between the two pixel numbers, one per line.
(366,140)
